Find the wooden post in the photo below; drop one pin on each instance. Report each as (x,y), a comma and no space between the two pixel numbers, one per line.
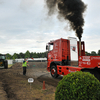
(43,85)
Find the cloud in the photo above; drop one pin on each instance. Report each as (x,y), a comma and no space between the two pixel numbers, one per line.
(26,4)
(92,44)
(26,26)
(1,1)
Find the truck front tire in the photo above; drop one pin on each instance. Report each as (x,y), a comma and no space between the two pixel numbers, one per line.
(54,71)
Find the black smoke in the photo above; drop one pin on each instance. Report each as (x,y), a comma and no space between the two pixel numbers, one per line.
(71,10)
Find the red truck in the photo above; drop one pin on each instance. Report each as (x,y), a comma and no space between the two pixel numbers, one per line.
(63,58)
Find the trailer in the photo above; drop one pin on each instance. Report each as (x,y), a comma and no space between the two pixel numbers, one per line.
(67,55)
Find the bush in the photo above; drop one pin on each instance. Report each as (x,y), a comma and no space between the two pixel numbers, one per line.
(78,86)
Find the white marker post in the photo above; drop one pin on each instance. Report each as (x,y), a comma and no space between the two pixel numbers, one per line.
(30,80)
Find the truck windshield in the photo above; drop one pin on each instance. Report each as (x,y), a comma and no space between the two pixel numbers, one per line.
(2,57)
(50,47)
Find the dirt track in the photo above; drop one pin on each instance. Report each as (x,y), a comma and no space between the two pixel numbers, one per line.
(14,86)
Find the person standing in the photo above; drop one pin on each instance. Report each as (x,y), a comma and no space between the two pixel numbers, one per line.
(24,65)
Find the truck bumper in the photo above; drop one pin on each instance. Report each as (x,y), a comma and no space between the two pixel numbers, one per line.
(64,70)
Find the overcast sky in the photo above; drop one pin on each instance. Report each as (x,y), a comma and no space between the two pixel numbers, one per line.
(24,25)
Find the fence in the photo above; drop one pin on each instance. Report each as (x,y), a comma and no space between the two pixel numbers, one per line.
(11,61)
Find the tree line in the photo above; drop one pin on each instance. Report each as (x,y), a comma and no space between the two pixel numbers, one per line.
(93,53)
(28,54)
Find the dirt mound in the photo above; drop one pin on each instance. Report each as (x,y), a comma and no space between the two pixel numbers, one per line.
(49,80)
(15,86)
(17,65)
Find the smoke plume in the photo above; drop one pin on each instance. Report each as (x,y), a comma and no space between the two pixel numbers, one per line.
(71,10)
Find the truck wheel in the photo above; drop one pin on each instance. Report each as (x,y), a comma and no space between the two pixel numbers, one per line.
(5,64)
(54,71)
(94,72)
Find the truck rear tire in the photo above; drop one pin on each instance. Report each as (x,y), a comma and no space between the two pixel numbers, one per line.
(6,65)
(94,72)
(54,71)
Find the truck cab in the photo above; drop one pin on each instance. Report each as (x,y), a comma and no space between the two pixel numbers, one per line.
(3,61)
(63,58)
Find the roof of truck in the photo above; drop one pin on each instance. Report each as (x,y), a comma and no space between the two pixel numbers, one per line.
(52,41)
(2,54)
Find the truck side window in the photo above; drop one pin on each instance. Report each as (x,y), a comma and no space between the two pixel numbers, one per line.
(51,47)
(2,57)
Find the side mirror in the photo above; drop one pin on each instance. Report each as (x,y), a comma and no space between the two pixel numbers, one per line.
(46,47)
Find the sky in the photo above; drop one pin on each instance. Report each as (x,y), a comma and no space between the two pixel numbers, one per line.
(25,25)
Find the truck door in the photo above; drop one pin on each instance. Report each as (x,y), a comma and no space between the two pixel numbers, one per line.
(50,53)
(73,49)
